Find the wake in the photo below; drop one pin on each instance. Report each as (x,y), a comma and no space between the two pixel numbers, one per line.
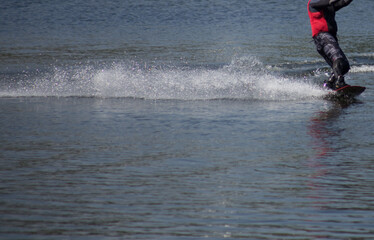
(243,78)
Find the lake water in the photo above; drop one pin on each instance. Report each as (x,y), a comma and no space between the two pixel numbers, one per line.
(181,120)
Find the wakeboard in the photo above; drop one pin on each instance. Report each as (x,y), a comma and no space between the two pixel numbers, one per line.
(346,93)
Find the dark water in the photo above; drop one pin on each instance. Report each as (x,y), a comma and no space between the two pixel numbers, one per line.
(181,120)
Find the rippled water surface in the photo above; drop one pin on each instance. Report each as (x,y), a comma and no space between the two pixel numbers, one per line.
(181,120)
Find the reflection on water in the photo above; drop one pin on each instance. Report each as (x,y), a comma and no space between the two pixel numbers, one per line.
(323,130)
(329,182)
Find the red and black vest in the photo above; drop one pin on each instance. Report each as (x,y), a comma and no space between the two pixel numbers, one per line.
(322,20)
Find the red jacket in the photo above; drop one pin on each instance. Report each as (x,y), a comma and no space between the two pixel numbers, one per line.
(322,15)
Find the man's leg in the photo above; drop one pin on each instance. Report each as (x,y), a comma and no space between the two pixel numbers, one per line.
(340,67)
(329,49)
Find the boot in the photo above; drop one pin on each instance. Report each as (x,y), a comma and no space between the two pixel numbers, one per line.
(340,82)
(330,83)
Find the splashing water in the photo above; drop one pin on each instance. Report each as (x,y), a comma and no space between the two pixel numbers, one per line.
(243,78)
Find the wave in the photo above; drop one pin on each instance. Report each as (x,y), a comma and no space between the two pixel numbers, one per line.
(243,78)
(362,69)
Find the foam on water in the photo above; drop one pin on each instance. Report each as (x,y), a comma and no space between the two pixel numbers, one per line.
(363,68)
(243,78)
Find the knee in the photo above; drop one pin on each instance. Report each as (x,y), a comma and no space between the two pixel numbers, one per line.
(341,66)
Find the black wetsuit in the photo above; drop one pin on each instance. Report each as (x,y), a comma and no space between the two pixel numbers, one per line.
(324,29)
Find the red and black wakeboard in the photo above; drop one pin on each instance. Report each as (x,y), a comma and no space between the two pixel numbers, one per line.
(346,92)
